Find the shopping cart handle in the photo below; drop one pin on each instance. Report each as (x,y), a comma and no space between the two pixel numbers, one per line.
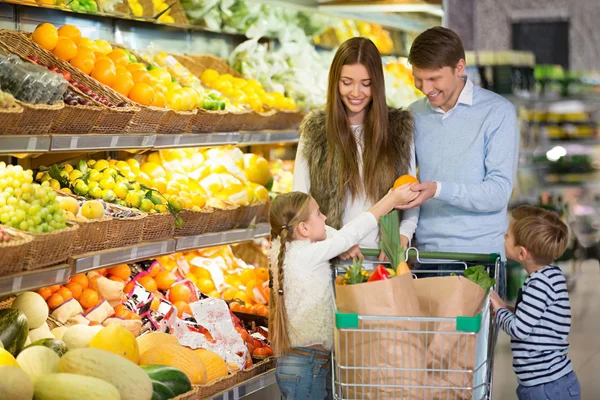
(439,255)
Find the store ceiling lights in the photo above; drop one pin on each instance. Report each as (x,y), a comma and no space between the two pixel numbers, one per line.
(432,7)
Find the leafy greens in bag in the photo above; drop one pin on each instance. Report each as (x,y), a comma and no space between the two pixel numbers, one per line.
(480,276)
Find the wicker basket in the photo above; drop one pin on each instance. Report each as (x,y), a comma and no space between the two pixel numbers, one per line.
(158,227)
(9,117)
(258,121)
(76,119)
(6,302)
(51,248)
(36,119)
(197,63)
(12,254)
(18,43)
(245,215)
(219,121)
(124,232)
(262,213)
(121,8)
(91,236)
(148,7)
(223,220)
(176,121)
(195,222)
(191,395)
(178,14)
(285,120)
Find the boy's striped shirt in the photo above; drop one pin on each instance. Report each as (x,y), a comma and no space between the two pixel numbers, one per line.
(539,328)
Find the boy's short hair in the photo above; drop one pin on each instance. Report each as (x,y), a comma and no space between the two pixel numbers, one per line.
(541,232)
(436,48)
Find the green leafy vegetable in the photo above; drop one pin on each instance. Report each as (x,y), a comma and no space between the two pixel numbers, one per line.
(390,238)
(480,276)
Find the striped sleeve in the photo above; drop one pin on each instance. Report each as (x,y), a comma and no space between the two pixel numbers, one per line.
(536,298)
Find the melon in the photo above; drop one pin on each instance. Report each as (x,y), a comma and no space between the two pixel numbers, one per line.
(177,356)
(33,306)
(118,340)
(15,384)
(152,339)
(215,366)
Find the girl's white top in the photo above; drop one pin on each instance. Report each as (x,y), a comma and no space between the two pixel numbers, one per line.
(308,282)
(359,204)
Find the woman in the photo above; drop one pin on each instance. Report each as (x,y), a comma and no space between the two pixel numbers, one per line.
(350,155)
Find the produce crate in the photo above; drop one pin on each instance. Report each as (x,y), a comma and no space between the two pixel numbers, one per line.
(36,119)
(158,227)
(12,254)
(50,248)
(77,119)
(9,117)
(176,121)
(121,8)
(148,7)
(285,120)
(92,236)
(218,121)
(197,63)
(195,222)
(113,119)
(223,220)
(262,213)
(124,232)
(178,14)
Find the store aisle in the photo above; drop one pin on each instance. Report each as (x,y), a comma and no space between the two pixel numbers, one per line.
(585,344)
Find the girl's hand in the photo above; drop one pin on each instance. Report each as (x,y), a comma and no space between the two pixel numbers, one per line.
(403,194)
(353,252)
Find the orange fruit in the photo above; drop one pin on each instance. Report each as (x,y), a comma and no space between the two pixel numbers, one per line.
(262,274)
(85,52)
(255,309)
(122,271)
(82,279)
(264,311)
(182,307)
(206,285)
(119,57)
(135,67)
(101,56)
(141,75)
(229,294)
(148,282)
(122,73)
(65,293)
(142,93)
(54,288)
(404,179)
(214,294)
(83,63)
(70,31)
(244,309)
(133,315)
(65,48)
(105,72)
(45,293)
(55,300)
(89,298)
(247,275)
(121,311)
(116,279)
(243,296)
(179,293)
(165,279)
(234,306)
(192,278)
(75,289)
(123,86)
(159,100)
(102,271)
(46,35)
(154,270)
(129,287)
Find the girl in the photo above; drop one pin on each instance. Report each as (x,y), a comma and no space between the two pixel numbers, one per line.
(301,302)
(349,155)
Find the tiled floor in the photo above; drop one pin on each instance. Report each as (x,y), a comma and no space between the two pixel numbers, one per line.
(584,340)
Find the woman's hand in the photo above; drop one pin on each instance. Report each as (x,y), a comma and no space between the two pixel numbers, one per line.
(403,195)
(353,252)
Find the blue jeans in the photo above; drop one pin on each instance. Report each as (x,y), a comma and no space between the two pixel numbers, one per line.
(565,388)
(302,377)
(440,268)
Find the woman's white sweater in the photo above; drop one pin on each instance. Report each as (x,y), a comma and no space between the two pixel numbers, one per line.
(307,280)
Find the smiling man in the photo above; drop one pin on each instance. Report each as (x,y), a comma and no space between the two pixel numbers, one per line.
(467,141)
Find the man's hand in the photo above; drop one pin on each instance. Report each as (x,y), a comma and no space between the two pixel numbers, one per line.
(354,252)
(382,257)
(496,301)
(426,191)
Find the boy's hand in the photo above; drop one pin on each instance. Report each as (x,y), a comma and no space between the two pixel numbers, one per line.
(425,191)
(496,301)
(403,194)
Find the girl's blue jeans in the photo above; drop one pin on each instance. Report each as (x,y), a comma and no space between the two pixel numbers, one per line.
(302,377)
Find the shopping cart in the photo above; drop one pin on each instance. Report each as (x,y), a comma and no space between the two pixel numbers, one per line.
(461,370)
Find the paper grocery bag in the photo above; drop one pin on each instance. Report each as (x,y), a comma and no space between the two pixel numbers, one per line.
(369,358)
(449,297)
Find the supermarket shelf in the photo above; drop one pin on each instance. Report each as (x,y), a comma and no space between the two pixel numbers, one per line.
(251,388)
(66,143)
(34,279)
(220,238)
(122,255)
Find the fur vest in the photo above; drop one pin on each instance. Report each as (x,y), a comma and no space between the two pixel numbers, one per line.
(330,198)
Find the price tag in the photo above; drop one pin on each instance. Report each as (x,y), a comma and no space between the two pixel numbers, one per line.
(74,142)
(16,285)
(148,141)
(114,141)
(96,261)
(60,275)
(163,247)
(177,140)
(134,253)
(32,144)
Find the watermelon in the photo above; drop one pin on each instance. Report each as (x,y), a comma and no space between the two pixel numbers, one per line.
(13,330)
(57,346)
(171,378)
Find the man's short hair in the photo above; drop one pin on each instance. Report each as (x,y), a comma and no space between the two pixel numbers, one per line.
(436,48)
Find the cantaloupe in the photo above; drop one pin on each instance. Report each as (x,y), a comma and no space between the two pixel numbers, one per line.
(152,339)
(33,306)
(177,356)
(117,340)
(215,366)
(15,384)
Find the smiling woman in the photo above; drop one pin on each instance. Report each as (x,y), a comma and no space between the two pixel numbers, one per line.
(351,153)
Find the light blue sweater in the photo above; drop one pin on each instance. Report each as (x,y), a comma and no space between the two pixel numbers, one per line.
(473,153)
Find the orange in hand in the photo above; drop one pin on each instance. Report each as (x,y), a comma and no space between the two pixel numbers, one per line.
(404,179)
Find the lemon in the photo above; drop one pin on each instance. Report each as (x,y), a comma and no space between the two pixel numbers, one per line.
(91,163)
(66,190)
(153,170)
(108,195)
(80,187)
(107,183)
(96,192)
(109,173)
(133,199)
(122,166)
(257,169)
(260,193)
(147,205)
(68,168)
(176,204)
(133,163)
(113,162)
(75,174)
(208,76)
(54,184)
(121,190)
(101,165)
(7,359)
(95,176)
(92,209)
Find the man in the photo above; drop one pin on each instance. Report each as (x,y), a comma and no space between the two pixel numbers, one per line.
(467,142)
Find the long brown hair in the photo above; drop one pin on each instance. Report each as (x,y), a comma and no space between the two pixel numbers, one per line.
(287,211)
(378,157)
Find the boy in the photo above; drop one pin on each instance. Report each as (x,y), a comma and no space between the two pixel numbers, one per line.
(541,321)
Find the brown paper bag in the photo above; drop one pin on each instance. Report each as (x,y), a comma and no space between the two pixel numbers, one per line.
(449,297)
(369,358)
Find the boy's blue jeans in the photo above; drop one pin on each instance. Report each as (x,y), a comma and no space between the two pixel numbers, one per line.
(302,377)
(565,388)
